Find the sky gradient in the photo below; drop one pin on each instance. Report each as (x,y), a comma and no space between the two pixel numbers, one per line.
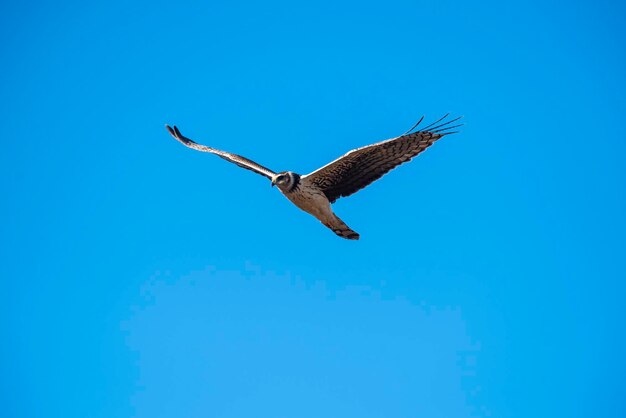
(141,278)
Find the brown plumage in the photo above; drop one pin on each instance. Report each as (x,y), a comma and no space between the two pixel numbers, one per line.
(348,174)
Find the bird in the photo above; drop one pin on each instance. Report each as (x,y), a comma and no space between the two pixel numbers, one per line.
(315,192)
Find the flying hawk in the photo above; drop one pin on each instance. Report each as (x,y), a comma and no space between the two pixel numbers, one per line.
(314,192)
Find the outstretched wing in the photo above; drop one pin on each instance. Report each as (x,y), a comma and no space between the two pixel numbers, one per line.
(242,162)
(362,166)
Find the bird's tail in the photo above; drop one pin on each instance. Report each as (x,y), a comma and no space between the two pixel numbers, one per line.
(340,228)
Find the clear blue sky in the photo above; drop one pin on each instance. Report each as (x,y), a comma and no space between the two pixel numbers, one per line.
(140,278)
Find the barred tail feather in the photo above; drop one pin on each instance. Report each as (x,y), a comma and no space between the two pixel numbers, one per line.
(340,228)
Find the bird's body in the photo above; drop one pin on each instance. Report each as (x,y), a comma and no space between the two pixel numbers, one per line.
(315,192)
(307,195)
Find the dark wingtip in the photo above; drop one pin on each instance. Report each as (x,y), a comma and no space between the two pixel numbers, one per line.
(176,134)
(441,128)
(170,130)
(414,126)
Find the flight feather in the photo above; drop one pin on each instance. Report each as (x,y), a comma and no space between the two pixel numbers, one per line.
(242,162)
(362,166)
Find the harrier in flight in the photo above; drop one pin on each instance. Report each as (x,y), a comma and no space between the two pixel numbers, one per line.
(314,192)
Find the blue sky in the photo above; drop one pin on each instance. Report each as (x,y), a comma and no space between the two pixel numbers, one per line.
(140,278)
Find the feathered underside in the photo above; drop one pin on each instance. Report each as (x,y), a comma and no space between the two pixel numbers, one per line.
(362,166)
(242,162)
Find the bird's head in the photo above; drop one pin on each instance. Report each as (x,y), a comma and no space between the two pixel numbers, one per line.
(286,181)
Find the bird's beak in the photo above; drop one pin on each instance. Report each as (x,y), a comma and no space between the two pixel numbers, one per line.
(273,183)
